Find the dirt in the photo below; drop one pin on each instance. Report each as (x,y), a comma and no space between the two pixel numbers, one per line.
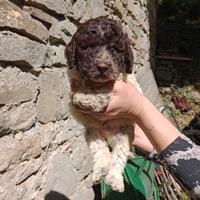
(190,93)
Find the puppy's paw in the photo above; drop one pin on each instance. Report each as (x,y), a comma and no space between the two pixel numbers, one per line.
(131,155)
(100,169)
(99,173)
(115,180)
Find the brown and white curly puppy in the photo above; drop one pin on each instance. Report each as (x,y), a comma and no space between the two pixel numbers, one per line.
(98,55)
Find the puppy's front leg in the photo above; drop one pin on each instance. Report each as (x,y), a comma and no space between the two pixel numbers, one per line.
(120,144)
(100,152)
(90,102)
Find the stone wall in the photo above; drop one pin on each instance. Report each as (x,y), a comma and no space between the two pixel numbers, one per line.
(43,151)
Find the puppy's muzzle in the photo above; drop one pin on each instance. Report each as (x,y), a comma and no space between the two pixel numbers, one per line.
(103,68)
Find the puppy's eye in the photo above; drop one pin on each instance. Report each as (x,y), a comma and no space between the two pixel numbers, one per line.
(83,46)
(93,32)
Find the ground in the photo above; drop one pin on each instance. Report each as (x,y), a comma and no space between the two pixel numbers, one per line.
(192,96)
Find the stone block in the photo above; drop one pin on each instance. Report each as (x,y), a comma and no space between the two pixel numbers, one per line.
(35,145)
(58,133)
(9,149)
(81,158)
(14,18)
(15,95)
(56,56)
(22,117)
(18,91)
(48,133)
(26,169)
(23,181)
(60,7)
(40,14)
(68,132)
(23,51)
(60,175)
(17,118)
(137,11)
(120,7)
(13,79)
(53,99)
(79,9)
(4,161)
(94,9)
(62,31)
(85,194)
(15,151)
(133,26)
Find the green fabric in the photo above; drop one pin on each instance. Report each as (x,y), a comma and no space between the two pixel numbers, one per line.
(139,182)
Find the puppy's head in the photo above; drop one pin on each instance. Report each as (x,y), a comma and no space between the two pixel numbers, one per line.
(99,50)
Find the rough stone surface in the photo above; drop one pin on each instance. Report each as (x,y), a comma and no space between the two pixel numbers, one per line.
(79,9)
(22,117)
(18,91)
(139,13)
(13,151)
(62,31)
(64,180)
(56,56)
(44,154)
(81,158)
(52,101)
(12,78)
(26,169)
(23,177)
(15,48)
(60,7)
(37,13)
(85,194)
(15,95)
(17,118)
(122,10)
(13,17)
(94,8)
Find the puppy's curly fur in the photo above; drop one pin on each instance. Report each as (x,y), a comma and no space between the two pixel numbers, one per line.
(99,54)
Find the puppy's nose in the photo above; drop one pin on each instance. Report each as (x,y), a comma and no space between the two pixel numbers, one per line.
(103,68)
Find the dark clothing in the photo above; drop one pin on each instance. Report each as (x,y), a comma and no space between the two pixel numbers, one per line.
(182,159)
(192,130)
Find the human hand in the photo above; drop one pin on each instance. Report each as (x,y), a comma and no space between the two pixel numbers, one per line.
(141,141)
(125,101)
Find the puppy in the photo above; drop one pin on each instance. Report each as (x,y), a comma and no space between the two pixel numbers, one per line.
(98,55)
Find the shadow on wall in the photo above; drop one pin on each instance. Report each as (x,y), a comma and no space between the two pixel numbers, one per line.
(52,195)
(152,10)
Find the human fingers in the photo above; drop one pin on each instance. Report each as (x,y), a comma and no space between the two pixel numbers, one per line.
(105,116)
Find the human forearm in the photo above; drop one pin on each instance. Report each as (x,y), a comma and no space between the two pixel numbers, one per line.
(157,128)
(141,141)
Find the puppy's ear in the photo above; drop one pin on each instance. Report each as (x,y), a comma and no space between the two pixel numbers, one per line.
(128,56)
(70,53)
